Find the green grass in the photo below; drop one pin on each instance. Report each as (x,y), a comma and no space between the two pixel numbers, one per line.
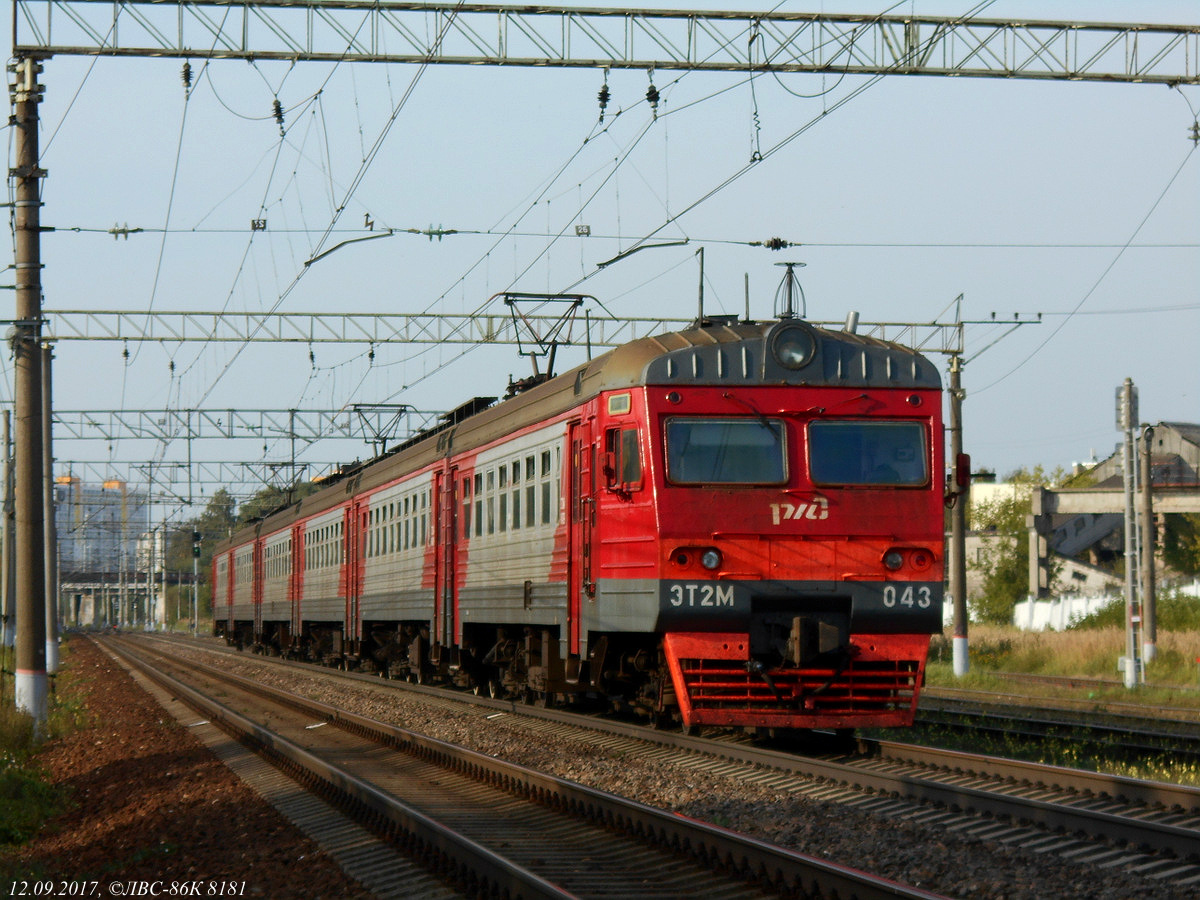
(1172,678)
(27,799)
(1059,751)
(1088,653)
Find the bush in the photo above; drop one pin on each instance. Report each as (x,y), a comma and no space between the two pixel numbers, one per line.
(27,799)
(1111,615)
(1173,612)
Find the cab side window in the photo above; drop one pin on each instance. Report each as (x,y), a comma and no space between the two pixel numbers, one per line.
(622,459)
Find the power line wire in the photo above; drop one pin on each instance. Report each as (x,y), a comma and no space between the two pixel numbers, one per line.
(1100,280)
(445,232)
(354,184)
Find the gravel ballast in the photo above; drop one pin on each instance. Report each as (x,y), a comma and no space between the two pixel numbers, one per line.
(151,804)
(152,800)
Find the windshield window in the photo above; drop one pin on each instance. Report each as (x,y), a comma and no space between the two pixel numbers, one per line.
(726,451)
(855,452)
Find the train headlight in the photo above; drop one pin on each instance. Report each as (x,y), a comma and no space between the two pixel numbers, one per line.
(793,346)
(711,559)
(893,559)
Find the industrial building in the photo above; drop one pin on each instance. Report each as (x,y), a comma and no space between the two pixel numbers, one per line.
(108,556)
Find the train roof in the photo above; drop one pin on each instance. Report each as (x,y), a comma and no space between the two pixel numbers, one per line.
(787,352)
(723,352)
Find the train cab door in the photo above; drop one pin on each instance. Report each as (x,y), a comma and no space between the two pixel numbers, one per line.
(581,524)
(444,521)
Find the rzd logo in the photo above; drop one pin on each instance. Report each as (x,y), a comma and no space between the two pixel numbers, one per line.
(815,510)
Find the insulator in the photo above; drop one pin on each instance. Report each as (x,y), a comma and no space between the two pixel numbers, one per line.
(277,108)
(603,97)
(186,75)
(652,96)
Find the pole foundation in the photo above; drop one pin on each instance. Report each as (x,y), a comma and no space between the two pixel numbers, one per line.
(961,658)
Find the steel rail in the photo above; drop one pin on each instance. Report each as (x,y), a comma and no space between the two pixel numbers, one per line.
(1131,739)
(1181,841)
(777,867)
(456,853)
(1119,787)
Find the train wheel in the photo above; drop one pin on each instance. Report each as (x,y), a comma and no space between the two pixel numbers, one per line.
(489,687)
(844,741)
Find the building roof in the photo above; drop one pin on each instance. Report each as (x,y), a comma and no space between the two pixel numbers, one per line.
(1186,430)
(1174,462)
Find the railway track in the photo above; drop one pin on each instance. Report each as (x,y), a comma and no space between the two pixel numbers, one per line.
(490,827)
(1145,827)
(1100,734)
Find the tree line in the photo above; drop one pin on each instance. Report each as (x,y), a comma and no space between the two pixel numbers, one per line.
(220,517)
(1003,564)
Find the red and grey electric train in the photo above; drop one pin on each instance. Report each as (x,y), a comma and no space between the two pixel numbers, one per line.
(737,524)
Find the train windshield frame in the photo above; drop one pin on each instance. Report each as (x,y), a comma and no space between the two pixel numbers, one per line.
(868,453)
(703,450)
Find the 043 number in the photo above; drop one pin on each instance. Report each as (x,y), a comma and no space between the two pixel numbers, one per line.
(908,596)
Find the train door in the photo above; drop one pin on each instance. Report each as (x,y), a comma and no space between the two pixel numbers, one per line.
(223,596)
(256,595)
(581,522)
(357,525)
(444,522)
(296,582)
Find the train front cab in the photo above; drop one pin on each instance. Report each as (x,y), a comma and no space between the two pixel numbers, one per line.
(799,548)
(824,560)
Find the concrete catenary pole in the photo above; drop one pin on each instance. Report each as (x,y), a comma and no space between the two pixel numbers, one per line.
(1126,417)
(8,622)
(958,524)
(7,592)
(1149,610)
(51,531)
(195,582)
(31,685)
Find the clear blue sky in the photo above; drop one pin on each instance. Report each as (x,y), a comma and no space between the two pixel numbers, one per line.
(1074,200)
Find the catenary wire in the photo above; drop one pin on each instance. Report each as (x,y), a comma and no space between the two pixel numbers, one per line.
(670,220)
(1100,280)
(359,175)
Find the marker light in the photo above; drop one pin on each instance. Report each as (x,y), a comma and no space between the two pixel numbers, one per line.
(711,559)
(893,559)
